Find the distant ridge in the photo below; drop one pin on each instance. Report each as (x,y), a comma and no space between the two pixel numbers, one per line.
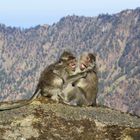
(114,38)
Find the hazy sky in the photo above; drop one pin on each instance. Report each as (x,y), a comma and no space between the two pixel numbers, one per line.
(27,13)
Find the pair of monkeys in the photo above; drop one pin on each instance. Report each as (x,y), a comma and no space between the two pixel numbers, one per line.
(70,81)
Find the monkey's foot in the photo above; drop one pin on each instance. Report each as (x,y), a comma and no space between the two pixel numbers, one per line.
(55,98)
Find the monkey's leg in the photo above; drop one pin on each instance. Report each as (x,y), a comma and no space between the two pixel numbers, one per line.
(67,92)
(73,96)
(80,99)
(52,92)
(55,96)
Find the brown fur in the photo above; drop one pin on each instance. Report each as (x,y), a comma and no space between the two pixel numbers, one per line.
(84,90)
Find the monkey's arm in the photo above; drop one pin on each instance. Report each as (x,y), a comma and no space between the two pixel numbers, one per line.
(82,74)
(73,78)
(86,73)
(79,72)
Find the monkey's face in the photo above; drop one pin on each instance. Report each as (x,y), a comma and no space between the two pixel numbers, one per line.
(72,65)
(86,60)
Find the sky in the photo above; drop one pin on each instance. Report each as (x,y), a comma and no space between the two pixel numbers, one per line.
(29,13)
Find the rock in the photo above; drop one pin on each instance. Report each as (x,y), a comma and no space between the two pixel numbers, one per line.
(46,120)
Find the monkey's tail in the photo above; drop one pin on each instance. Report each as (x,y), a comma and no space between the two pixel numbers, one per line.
(35,95)
(14,105)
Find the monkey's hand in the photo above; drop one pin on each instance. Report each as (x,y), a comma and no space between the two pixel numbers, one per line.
(74,83)
(77,76)
(73,78)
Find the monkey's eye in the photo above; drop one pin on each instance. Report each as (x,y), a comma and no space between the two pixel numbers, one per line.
(88,59)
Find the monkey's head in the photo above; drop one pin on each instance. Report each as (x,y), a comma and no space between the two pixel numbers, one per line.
(87,60)
(72,64)
(66,56)
(69,60)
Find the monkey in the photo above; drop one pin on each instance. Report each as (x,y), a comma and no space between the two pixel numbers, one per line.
(47,79)
(55,77)
(51,80)
(83,91)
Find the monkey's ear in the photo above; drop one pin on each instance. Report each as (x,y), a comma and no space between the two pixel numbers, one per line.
(92,56)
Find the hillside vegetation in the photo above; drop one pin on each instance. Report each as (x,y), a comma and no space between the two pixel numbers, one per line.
(24,53)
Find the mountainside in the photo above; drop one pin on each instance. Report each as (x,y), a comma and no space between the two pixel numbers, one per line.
(114,38)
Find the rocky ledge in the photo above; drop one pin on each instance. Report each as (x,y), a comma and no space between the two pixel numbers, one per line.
(46,120)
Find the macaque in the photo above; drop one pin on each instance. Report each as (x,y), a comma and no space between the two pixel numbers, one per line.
(52,80)
(53,77)
(83,91)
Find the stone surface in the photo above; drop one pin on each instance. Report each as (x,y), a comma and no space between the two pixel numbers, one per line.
(47,120)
